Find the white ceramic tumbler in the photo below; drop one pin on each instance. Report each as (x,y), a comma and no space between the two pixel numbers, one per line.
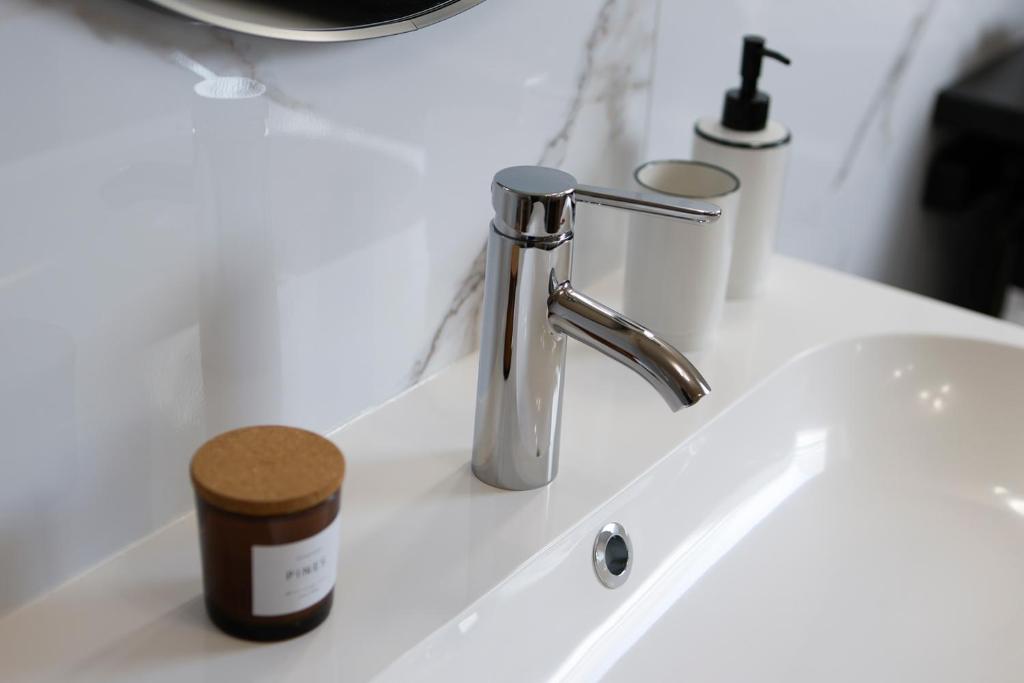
(677,272)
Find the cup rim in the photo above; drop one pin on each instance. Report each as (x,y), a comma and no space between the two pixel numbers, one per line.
(687,162)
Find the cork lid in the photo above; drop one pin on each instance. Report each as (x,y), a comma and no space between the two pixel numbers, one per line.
(267,470)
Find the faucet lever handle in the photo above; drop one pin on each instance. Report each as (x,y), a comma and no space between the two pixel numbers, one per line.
(691,210)
(537,203)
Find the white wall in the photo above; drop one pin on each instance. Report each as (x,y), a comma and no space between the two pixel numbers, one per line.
(858,99)
(173,265)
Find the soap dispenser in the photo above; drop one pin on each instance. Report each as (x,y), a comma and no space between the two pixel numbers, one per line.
(745,141)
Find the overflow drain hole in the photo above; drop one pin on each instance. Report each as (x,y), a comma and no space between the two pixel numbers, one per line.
(613,555)
(616,555)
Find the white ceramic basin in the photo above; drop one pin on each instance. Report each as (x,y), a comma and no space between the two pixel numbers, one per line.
(856,516)
(859,516)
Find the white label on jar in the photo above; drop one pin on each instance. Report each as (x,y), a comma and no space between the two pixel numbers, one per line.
(290,577)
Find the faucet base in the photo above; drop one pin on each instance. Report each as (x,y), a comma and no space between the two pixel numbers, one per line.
(490,478)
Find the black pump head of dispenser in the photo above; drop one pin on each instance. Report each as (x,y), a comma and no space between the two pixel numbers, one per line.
(746,107)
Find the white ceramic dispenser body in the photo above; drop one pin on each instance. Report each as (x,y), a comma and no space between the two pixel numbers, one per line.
(758,158)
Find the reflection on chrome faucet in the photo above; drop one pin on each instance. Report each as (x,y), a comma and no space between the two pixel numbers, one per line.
(530,307)
(239,326)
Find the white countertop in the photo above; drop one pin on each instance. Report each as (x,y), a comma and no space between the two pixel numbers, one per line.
(421,538)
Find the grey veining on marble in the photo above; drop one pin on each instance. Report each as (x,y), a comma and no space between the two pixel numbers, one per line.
(553,152)
(609,82)
(464,311)
(308,264)
(205,52)
(881,102)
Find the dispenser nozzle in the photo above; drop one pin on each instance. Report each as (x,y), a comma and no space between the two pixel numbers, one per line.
(745,107)
(750,66)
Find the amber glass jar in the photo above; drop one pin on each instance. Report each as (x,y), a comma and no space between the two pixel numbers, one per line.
(267,500)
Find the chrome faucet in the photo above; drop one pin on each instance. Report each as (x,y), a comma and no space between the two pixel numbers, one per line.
(530,307)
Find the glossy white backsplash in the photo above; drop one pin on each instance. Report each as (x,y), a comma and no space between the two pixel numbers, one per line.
(305,243)
(858,99)
(297,241)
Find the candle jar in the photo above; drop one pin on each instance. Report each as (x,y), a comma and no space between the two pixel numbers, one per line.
(267,501)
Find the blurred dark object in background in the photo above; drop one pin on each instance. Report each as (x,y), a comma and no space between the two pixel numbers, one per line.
(976,179)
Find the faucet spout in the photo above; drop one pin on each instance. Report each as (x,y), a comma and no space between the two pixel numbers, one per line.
(599,327)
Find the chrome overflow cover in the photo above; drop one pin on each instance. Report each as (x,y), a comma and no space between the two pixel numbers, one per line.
(613,555)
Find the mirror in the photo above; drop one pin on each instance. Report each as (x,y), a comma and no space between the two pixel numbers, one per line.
(319,20)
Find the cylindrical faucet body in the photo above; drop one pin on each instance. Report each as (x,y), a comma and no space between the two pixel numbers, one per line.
(522,364)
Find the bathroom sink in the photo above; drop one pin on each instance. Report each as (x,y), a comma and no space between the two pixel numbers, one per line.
(859,515)
(846,505)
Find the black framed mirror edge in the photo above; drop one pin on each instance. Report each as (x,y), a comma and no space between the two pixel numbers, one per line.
(197,10)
